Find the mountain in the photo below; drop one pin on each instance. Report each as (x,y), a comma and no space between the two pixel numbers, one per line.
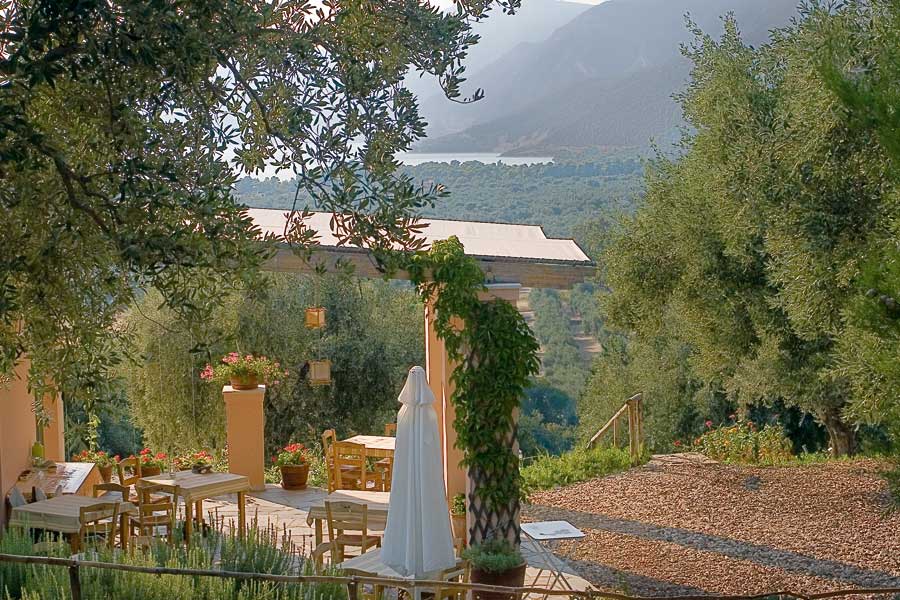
(535,21)
(606,78)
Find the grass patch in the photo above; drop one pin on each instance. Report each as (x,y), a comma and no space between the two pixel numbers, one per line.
(547,472)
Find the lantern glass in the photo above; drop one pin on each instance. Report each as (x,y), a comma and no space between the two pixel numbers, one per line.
(315,317)
(319,372)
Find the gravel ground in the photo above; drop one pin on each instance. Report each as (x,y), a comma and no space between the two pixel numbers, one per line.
(685,525)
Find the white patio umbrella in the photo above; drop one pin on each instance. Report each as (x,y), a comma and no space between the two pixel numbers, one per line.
(417,540)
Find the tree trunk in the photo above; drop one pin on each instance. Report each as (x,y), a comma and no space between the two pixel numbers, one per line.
(841,437)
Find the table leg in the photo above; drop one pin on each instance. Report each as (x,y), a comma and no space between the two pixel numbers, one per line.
(198,513)
(125,532)
(188,521)
(75,542)
(319,534)
(242,514)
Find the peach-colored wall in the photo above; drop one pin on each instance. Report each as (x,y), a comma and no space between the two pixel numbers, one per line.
(244,427)
(54,438)
(17,431)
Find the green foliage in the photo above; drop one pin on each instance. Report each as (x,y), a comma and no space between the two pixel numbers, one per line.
(747,253)
(372,335)
(547,472)
(547,421)
(743,443)
(458,504)
(259,552)
(505,193)
(493,556)
(126,124)
(496,356)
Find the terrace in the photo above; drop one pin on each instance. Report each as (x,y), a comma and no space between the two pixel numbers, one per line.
(511,256)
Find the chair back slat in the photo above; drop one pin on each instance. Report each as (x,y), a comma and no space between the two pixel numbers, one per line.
(113,490)
(346,517)
(349,464)
(129,470)
(100,519)
(156,509)
(329,437)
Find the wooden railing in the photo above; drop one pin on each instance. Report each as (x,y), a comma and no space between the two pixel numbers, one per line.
(634,410)
(354,583)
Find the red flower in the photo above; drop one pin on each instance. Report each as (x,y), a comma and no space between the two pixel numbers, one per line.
(677,443)
(709,423)
(145,451)
(160,455)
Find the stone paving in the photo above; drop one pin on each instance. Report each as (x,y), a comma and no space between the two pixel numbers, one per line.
(286,512)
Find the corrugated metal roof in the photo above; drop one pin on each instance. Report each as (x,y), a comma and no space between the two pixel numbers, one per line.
(501,240)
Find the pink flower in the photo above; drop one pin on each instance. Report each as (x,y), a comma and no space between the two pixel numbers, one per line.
(207,374)
(709,423)
(732,417)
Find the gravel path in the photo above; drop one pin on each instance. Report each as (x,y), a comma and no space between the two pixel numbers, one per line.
(685,525)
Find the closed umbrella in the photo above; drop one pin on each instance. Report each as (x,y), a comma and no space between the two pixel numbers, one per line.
(417,540)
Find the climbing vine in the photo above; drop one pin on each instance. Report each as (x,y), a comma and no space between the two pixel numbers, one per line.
(496,355)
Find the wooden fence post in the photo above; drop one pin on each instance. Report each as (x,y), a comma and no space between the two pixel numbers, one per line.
(353,589)
(75,582)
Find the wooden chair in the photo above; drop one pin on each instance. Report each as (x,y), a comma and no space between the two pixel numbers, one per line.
(156,513)
(386,466)
(348,524)
(390,430)
(129,470)
(112,492)
(351,468)
(329,437)
(98,521)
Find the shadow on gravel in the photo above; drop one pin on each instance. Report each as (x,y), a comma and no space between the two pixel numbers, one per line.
(757,553)
(608,578)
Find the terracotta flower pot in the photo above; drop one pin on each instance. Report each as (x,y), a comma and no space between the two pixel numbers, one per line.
(250,382)
(106,473)
(150,471)
(513,578)
(294,477)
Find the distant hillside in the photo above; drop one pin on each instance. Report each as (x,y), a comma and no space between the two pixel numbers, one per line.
(604,79)
(535,21)
(558,196)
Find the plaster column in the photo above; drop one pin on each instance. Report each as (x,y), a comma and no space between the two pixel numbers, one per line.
(245,426)
(53,435)
(18,430)
(439,369)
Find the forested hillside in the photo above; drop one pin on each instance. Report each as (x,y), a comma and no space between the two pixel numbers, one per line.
(557,195)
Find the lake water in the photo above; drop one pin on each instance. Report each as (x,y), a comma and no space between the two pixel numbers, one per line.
(415,158)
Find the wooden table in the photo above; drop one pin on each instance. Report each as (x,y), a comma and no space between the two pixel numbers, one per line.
(193,488)
(377,446)
(377,503)
(62,514)
(72,477)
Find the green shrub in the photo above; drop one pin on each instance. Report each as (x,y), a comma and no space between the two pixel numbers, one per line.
(578,465)
(262,551)
(493,556)
(743,443)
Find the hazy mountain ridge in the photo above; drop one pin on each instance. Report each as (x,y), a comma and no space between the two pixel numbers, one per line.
(605,78)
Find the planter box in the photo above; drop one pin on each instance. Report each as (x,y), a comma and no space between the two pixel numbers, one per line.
(512,578)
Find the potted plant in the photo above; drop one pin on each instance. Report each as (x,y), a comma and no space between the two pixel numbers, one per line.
(293,460)
(495,562)
(244,372)
(200,461)
(458,516)
(104,462)
(151,464)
